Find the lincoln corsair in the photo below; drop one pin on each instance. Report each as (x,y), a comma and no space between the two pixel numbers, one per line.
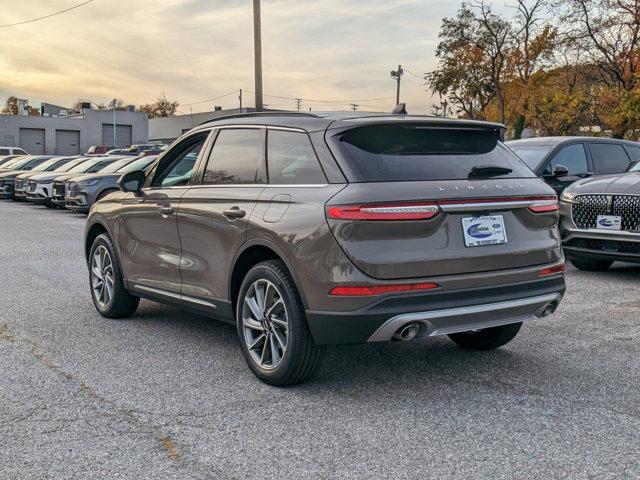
(306,230)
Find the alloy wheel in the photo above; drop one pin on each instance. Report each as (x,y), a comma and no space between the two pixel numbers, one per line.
(102,277)
(265,324)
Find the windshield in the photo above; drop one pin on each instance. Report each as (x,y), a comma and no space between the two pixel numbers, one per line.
(532,155)
(19,163)
(84,166)
(69,165)
(44,166)
(117,165)
(139,164)
(403,153)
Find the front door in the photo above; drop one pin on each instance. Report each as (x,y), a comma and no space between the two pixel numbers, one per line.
(573,157)
(148,228)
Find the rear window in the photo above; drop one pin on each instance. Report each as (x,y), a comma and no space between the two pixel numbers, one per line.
(608,158)
(397,153)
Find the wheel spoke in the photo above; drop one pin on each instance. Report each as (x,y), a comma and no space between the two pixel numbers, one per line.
(279,323)
(265,349)
(256,311)
(97,272)
(278,303)
(275,355)
(252,324)
(258,339)
(281,343)
(259,299)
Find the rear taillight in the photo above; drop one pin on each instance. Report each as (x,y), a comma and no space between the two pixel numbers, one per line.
(360,291)
(552,270)
(390,211)
(544,205)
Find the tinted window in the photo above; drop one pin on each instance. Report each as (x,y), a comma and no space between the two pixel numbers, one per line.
(532,155)
(235,158)
(69,165)
(4,151)
(608,158)
(292,160)
(82,167)
(573,157)
(388,153)
(139,164)
(634,152)
(117,165)
(180,173)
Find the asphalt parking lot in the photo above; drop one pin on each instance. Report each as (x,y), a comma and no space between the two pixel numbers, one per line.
(167,394)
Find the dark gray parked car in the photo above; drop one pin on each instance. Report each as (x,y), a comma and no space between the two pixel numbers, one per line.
(600,220)
(306,230)
(83,191)
(560,161)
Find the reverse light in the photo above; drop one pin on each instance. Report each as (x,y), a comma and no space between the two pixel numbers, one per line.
(552,270)
(399,211)
(544,205)
(361,291)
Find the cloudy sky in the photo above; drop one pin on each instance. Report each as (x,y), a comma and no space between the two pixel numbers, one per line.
(194,50)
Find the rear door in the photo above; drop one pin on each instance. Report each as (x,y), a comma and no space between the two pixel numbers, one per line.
(213,215)
(426,201)
(608,158)
(148,238)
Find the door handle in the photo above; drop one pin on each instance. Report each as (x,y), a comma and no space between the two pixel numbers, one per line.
(166,210)
(233,213)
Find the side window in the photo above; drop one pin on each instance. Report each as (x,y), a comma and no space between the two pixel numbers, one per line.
(4,151)
(608,158)
(573,157)
(235,158)
(176,167)
(634,152)
(292,160)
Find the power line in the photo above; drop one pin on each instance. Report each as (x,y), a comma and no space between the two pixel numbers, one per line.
(46,16)
(326,101)
(421,77)
(212,99)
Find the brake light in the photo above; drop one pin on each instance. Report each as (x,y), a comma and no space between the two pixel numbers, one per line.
(360,291)
(544,205)
(387,211)
(552,270)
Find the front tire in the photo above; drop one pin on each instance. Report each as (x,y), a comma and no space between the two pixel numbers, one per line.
(109,296)
(591,265)
(272,326)
(487,339)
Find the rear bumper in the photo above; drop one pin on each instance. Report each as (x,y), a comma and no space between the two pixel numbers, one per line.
(439,313)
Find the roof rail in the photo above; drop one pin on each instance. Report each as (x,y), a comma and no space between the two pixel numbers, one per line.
(259,114)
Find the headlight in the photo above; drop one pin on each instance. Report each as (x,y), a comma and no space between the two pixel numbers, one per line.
(88,183)
(567,196)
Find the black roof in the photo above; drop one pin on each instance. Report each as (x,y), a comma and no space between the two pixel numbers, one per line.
(314,121)
(554,141)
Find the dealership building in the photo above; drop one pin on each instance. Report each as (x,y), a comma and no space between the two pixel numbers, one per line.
(60,131)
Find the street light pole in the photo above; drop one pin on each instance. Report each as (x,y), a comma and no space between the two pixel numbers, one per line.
(257,52)
(114,124)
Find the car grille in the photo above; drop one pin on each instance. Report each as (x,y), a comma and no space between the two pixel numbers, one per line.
(58,189)
(586,208)
(32,186)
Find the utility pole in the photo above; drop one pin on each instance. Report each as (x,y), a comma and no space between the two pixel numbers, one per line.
(298,103)
(240,98)
(397,75)
(114,123)
(257,53)
(354,106)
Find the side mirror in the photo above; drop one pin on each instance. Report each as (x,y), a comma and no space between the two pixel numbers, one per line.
(132,181)
(632,164)
(560,171)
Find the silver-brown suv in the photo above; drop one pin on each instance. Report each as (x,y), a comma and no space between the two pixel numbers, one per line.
(306,230)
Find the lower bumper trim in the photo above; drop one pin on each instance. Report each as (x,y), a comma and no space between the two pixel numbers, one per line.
(464,319)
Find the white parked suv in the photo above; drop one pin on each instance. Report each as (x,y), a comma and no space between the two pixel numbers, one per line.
(12,151)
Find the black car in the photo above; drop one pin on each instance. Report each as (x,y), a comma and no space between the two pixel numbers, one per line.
(560,161)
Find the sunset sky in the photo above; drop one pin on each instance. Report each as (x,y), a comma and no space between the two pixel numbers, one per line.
(198,49)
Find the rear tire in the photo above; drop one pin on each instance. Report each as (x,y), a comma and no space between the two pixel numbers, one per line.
(591,265)
(487,339)
(278,346)
(109,296)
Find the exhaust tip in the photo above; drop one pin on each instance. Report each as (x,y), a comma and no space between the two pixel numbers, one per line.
(407,332)
(549,309)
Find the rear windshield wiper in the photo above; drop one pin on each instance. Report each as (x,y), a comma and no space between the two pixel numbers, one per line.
(487,171)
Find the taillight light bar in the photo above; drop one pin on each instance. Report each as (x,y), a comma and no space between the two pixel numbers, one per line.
(552,270)
(369,290)
(428,210)
(391,211)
